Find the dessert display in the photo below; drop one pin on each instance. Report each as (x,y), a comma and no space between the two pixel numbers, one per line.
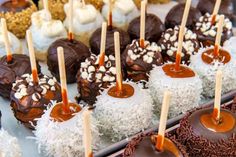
(169,45)
(180,80)
(209,131)
(15,43)
(152,145)
(85,20)
(11,65)
(95,40)
(75,53)
(115,103)
(59,132)
(226,7)
(123,12)
(17,14)
(31,93)
(45,31)
(140,56)
(153,28)
(174,16)
(96,73)
(208,60)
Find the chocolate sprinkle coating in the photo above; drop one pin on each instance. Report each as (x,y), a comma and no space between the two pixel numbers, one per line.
(8,72)
(153,28)
(138,61)
(174,17)
(226,7)
(198,145)
(90,86)
(29,100)
(134,143)
(95,40)
(75,52)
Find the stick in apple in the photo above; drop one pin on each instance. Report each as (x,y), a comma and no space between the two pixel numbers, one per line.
(32,57)
(142,23)
(6,40)
(218,89)
(87,133)
(181,35)
(103,44)
(61,62)
(118,62)
(218,36)
(163,120)
(215,11)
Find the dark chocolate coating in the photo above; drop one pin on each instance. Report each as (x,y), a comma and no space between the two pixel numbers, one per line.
(26,110)
(142,146)
(226,7)
(200,141)
(95,40)
(8,72)
(7,77)
(175,15)
(138,70)
(75,52)
(153,28)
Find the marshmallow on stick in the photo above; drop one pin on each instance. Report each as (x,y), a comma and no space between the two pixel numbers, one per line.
(218,89)
(61,63)
(87,140)
(142,23)
(118,62)
(163,120)
(32,56)
(218,36)
(181,35)
(215,11)
(103,44)
(70,17)
(6,40)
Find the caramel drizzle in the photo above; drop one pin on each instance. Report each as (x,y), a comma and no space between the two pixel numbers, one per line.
(142,45)
(213,20)
(125,92)
(70,36)
(65,101)
(102,60)
(9,58)
(160,143)
(35,75)
(177,62)
(183,72)
(210,55)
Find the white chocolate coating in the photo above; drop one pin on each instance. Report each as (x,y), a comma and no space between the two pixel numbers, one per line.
(15,44)
(185,92)
(86,19)
(61,139)
(121,117)
(123,12)
(207,73)
(45,31)
(9,146)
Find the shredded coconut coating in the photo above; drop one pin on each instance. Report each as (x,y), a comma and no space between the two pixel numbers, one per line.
(63,139)
(185,92)
(207,73)
(121,117)
(9,146)
(230,45)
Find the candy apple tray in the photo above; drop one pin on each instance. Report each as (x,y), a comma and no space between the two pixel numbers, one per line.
(117,149)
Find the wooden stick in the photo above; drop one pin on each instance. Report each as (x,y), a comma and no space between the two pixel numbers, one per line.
(181,35)
(45,5)
(61,63)
(215,11)
(70,18)
(163,120)
(32,56)
(6,40)
(218,35)
(87,140)
(103,44)
(218,89)
(142,23)
(118,62)
(110,14)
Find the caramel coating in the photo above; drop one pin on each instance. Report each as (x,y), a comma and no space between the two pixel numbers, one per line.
(19,22)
